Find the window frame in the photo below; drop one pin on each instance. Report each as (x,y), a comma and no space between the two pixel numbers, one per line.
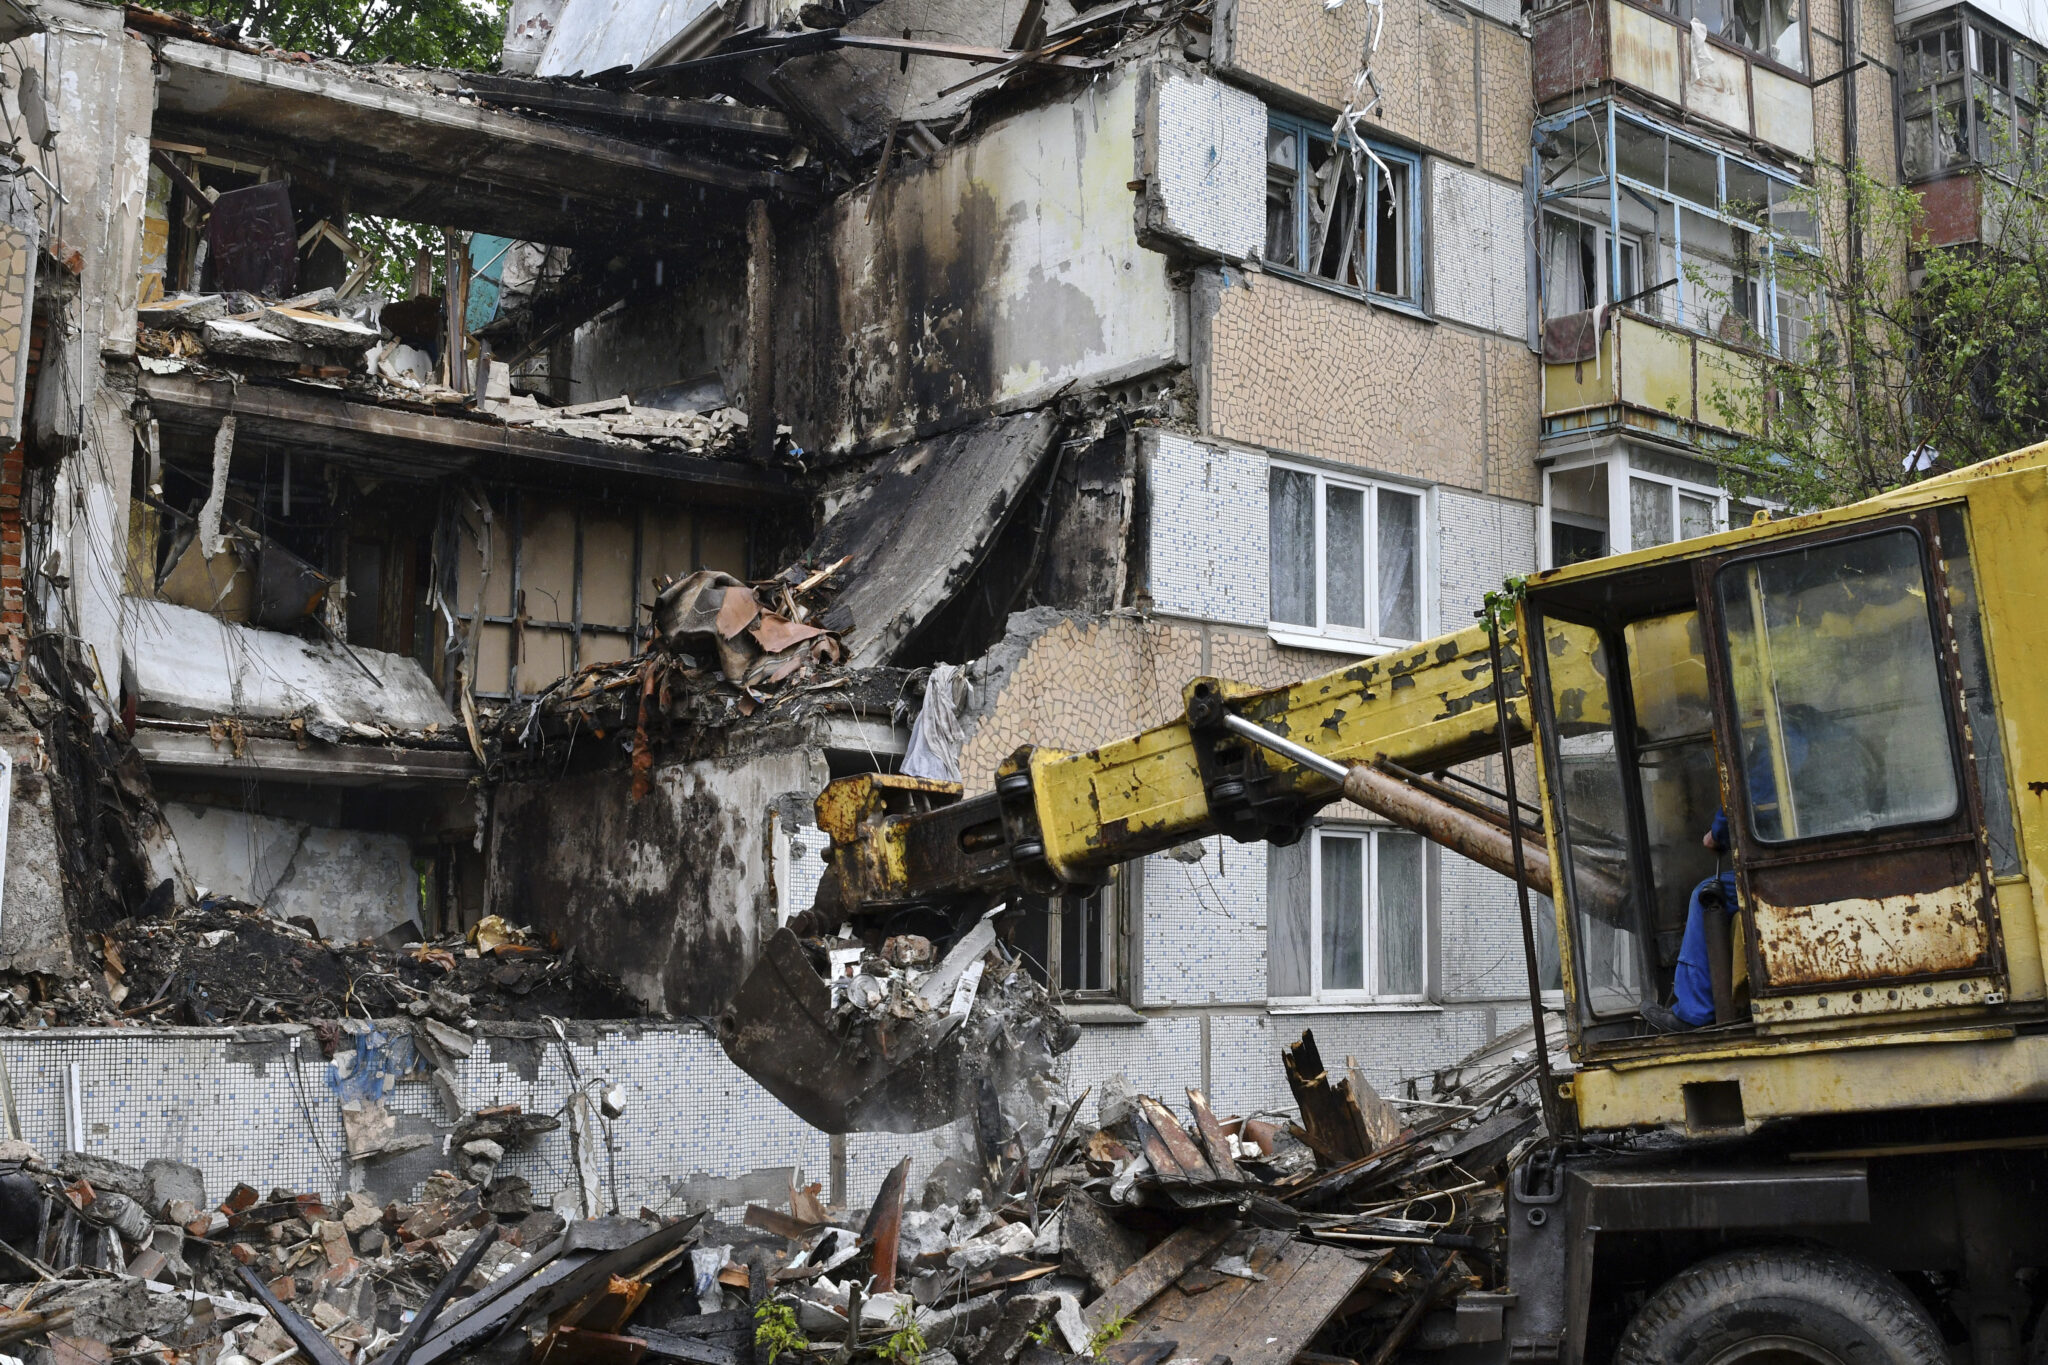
(1768,234)
(1116,898)
(1965,36)
(1682,13)
(1302,131)
(1369,994)
(1621,470)
(1320,634)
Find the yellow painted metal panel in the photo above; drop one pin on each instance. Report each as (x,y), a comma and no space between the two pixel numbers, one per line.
(1589,384)
(2017,921)
(1723,373)
(1646,52)
(1656,367)
(1899,1071)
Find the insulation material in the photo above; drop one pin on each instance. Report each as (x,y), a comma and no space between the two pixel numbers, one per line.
(211,542)
(1205,164)
(1481,268)
(937,735)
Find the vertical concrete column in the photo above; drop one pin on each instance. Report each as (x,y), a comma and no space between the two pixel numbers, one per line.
(101,87)
(760,331)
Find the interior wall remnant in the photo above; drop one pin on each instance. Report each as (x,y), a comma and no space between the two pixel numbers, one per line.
(562,580)
(354,884)
(672,893)
(1006,271)
(190,666)
(662,344)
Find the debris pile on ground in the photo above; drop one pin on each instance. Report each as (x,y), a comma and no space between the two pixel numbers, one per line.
(1148,1237)
(1138,1239)
(229,962)
(151,1271)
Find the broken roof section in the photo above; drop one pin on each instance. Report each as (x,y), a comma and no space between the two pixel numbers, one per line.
(407,144)
(918,526)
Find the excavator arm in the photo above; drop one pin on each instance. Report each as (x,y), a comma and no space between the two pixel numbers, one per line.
(1252,763)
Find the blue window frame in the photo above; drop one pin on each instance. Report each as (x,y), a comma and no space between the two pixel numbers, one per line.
(1354,221)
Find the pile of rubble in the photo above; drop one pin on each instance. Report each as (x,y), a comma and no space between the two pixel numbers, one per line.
(1135,1240)
(1145,1239)
(229,962)
(155,1273)
(721,650)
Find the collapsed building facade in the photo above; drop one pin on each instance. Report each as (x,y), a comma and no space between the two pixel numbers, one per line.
(1061,344)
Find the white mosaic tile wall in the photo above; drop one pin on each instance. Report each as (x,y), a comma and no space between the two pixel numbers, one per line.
(1482,941)
(1480,229)
(1209,168)
(1390,1045)
(1205,926)
(1208,531)
(1480,541)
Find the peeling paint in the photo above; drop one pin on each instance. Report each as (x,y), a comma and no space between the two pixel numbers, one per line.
(1870,939)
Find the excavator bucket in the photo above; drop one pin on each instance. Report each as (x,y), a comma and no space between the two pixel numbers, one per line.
(903,1063)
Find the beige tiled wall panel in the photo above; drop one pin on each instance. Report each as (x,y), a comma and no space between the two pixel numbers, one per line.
(1505,106)
(1081,684)
(1296,368)
(1424,64)
(1514,394)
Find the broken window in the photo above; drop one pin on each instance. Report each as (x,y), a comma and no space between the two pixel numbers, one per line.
(1348,914)
(1675,227)
(1346,557)
(1343,217)
(1073,942)
(1973,96)
(1577,262)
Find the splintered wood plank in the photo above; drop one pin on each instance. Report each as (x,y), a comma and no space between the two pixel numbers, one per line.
(1215,1145)
(1259,1322)
(1186,1155)
(1155,1270)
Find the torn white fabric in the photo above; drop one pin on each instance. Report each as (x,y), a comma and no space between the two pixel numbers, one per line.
(937,735)
(211,542)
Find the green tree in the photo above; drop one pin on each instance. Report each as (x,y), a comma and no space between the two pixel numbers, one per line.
(1916,358)
(447,33)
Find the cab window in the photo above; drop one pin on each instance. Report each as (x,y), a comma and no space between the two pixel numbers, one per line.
(1837,689)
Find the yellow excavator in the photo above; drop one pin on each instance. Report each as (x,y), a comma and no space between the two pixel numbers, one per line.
(1848,1161)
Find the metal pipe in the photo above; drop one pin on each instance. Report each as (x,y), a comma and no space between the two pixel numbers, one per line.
(1411,808)
(1547,1089)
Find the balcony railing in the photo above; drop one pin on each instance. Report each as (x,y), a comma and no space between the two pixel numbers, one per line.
(1643,374)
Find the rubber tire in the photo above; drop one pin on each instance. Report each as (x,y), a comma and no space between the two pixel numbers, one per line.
(1856,1312)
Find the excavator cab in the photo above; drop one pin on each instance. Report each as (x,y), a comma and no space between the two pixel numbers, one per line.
(1830,693)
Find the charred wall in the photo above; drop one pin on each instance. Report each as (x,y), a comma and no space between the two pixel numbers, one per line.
(672,893)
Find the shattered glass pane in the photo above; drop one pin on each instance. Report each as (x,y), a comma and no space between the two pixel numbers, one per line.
(1291,499)
(1400,557)
(1399,913)
(1283,175)
(1344,556)
(1343,911)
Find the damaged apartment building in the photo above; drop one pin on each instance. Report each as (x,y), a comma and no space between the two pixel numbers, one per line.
(453,503)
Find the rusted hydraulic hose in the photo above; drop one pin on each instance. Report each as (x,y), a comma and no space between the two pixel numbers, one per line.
(1412,808)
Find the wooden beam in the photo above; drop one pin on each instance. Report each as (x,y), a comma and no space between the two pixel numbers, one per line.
(760,333)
